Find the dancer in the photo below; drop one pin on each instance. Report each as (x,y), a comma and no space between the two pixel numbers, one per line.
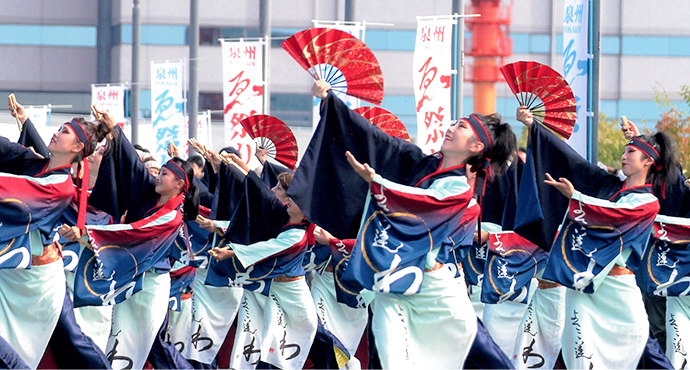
(214,308)
(608,223)
(416,322)
(282,326)
(156,207)
(36,191)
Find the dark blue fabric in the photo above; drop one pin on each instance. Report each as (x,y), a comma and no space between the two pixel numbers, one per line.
(19,160)
(259,276)
(205,197)
(71,348)
(485,353)
(202,366)
(29,137)
(130,182)
(259,215)
(325,182)
(105,189)
(549,153)
(270,173)
(134,185)
(653,356)
(322,352)
(9,359)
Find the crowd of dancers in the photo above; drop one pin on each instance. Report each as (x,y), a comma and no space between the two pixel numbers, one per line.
(469,257)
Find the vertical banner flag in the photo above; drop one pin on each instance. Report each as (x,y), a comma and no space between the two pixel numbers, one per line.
(39,115)
(111,98)
(168,120)
(203,129)
(203,132)
(433,53)
(576,67)
(357,30)
(243,92)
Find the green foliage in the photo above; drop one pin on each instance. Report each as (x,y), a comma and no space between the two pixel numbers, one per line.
(611,141)
(521,135)
(676,122)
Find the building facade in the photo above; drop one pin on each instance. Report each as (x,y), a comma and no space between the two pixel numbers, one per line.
(52,51)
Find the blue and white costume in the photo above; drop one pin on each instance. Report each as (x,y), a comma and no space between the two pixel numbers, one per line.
(666,266)
(32,292)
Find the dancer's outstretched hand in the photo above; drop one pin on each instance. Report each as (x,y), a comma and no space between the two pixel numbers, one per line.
(563,185)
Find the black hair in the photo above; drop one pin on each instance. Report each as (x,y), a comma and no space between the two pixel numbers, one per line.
(503,143)
(191,199)
(664,145)
(231,150)
(141,148)
(96,133)
(196,159)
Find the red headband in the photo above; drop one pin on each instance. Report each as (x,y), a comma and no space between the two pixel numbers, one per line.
(178,171)
(79,131)
(480,132)
(648,150)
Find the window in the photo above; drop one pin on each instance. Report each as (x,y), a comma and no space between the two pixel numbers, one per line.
(209,35)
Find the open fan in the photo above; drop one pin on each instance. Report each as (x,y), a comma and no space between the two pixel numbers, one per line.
(339,58)
(385,120)
(545,92)
(275,136)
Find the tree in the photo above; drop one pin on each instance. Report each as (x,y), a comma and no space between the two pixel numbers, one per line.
(676,122)
(611,141)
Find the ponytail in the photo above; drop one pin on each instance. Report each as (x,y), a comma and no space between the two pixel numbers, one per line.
(663,143)
(96,132)
(191,199)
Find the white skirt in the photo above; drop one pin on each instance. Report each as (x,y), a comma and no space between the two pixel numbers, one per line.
(136,322)
(246,351)
(432,329)
(343,321)
(502,320)
(678,330)
(607,329)
(30,305)
(94,321)
(539,335)
(213,312)
(476,299)
(179,331)
(290,325)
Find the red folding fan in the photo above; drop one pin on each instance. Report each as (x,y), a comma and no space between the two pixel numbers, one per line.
(545,92)
(339,58)
(274,135)
(385,120)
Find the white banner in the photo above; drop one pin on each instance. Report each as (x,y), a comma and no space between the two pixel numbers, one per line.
(243,92)
(111,98)
(39,116)
(203,132)
(356,29)
(432,67)
(575,66)
(203,129)
(168,120)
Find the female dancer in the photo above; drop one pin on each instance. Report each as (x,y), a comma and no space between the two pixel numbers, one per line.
(606,229)
(214,308)
(432,322)
(288,326)
(162,201)
(35,193)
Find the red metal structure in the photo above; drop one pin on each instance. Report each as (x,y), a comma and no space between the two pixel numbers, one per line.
(488,46)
